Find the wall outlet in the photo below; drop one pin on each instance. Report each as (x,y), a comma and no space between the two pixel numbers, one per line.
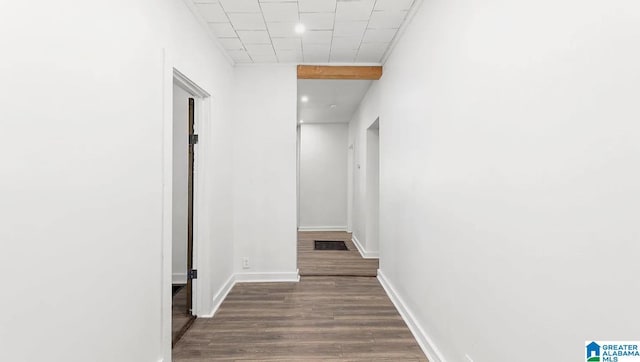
(245,263)
(468,358)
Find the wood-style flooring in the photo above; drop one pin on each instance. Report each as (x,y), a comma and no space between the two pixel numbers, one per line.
(332,314)
(332,262)
(180,318)
(319,318)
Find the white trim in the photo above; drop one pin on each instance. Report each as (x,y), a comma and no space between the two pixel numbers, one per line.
(363,252)
(188,85)
(171,77)
(426,343)
(220,296)
(268,277)
(167,205)
(322,228)
(179,278)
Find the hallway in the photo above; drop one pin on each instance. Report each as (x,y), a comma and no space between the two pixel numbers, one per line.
(339,263)
(328,317)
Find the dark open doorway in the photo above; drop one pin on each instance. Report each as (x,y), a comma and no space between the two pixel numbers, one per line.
(185,141)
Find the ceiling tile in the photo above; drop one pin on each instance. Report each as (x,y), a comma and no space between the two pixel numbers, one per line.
(379,35)
(317,21)
(352,28)
(223,30)
(240,6)
(231,43)
(264,58)
(337,30)
(247,21)
(280,12)
(282,30)
(371,52)
(254,36)
(347,43)
(316,52)
(387,19)
(255,49)
(212,13)
(393,4)
(286,43)
(343,55)
(354,10)
(240,56)
(317,37)
(289,56)
(317,6)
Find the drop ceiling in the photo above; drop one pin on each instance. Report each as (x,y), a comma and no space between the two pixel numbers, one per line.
(337,31)
(330,101)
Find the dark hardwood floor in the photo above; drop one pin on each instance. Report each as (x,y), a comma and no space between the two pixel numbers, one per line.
(331,262)
(319,318)
(333,317)
(180,318)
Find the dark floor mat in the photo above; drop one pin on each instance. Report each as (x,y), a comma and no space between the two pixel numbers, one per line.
(329,245)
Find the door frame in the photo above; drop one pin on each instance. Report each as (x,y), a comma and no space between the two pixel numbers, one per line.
(202,100)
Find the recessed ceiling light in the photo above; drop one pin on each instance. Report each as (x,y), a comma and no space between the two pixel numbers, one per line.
(301,121)
(304,99)
(299,28)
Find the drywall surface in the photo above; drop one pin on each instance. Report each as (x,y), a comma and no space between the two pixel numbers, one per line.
(372,191)
(180,183)
(362,183)
(509,182)
(265,168)
(323,176)
(82,201)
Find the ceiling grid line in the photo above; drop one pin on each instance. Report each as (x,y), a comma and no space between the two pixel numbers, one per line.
(338,31)
(236,32)
(268,33)
(366,28)
(333,31)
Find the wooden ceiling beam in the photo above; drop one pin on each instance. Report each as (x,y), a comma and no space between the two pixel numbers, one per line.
(339,72)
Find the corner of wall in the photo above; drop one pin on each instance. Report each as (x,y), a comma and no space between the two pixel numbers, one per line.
(425,342)
(363,252)
(220,296)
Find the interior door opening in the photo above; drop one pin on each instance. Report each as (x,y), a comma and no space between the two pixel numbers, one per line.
(184,146)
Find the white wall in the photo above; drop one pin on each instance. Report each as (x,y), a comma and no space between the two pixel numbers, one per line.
(323,176)
(372,191)
(81,206)
(265,170)
(361,194)
(509,179)
(180,183)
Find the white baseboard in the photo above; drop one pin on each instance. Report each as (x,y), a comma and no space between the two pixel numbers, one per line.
(248,278)
(365,254)
(267,277)
(220,296)
(322,228)
(426,343)
(179,278)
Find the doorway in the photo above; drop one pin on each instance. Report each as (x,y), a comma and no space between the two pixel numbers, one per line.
(184,153)
(327,104)
(372,187)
